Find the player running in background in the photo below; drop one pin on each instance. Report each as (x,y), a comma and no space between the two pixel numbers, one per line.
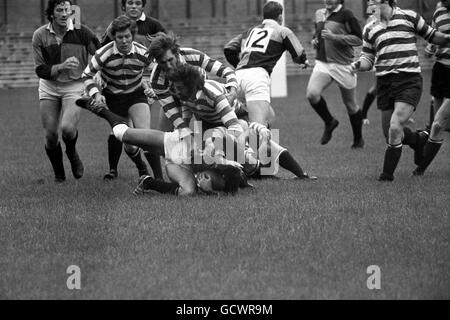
(255,53)
(61,52)
(399,82)
(121,64)
(146,26)
(337,33)
(440,89)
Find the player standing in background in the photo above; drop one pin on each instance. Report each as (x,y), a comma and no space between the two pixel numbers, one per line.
(255,53)
(168,56)
(121,64)
(146,26)
(337,33)
(390,45)
(440,89)
(61,52)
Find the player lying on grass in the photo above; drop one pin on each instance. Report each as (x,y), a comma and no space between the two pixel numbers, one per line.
(207,101)
(213,173)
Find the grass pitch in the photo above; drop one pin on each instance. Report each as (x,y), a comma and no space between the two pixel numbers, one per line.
(285,240)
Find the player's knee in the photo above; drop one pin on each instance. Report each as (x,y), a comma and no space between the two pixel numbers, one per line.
(395,131)
(130,149)
(313,96)
(68,130)
(51,138)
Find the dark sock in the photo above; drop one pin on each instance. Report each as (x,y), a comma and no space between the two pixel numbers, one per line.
(410,138)
(356,120)
(288,162)
(70,145)
(154,160)
(391,159)
(431,115)
(138,161)
(114,152)
(161,186)
(429,152)
(368,100)
(322,110)
(56,159)
(112,118)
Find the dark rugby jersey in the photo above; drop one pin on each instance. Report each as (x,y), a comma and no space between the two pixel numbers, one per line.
(347,30)
(262,46)
(392,47)
(48,51)
(145,26)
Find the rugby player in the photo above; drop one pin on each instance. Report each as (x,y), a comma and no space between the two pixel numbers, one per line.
(60,53)
(399,81)
(337,33)
(255,53)
(121,64)
(146,26)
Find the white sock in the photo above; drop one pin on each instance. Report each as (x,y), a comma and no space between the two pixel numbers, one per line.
(119,130)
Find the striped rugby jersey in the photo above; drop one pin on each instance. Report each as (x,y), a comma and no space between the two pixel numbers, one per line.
(262,46)
(120,73)
(441,21)
(211,105)
(161,85)
(392,47)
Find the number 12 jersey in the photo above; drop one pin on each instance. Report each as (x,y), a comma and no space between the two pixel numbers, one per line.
(263,45)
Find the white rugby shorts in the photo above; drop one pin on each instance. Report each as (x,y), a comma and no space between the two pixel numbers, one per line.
(340,73)
(55,90)
(253,84)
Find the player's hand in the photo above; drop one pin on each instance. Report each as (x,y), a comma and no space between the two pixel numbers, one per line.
(265,134)
(315,43)
(148,91)
(71,63)
(366,121)
(328,35)
(184,133)
(231,95)
(227,162)
(355,66)
(98,99)
(304,65)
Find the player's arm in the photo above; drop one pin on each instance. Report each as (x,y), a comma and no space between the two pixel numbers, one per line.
(228,116)
(429,33)
(95,65)
(368,55)
(232,50)
(292,44)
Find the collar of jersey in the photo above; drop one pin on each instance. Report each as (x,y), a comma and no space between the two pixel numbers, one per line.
(116,51)
(270,21)
(142,17)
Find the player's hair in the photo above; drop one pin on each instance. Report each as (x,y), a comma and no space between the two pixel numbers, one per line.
(190,76)
(272,10)
(122,23)
(51,7)
(124,2)
(232,176)
(392,3)
(160,43)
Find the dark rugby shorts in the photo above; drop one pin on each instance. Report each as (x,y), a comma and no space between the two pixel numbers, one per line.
(120,103)
(440,81)
(398,87)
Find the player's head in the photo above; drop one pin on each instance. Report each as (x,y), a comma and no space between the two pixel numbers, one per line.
(224,178)
(123,30)
(443,3)
(331,5)
(186,80)
(273,10)
(165,49)
(58,11)
(133,8)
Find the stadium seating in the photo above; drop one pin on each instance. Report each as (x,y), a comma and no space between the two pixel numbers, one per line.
(17,68)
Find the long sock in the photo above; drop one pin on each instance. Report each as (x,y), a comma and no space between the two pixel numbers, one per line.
(431,115)
(154,160)
(138,161)
(322,110)
(161,186)
(112,118)
(70,145)
(56,159)
(391,158)
(356,120)
(368,100)
(429,152)
(410,138)
(114,152)
(287,161)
